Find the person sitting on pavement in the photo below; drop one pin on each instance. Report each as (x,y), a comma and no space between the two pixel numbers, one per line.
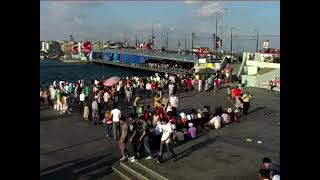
(183,118)
(191,133)
(264,174)
(225,118)
(267,164)
(215,122)
(274,176)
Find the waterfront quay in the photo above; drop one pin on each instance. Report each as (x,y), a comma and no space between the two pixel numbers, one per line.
(72,148)
(145,67)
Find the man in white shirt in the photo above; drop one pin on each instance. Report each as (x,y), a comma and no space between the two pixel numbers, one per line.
(166,130)
(148,88)
(174,103)
(82,99)
(171,88)
(116,114)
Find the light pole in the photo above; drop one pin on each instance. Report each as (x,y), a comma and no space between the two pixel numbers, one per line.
(257,39)
(152,30)
(231,40)
(215,37)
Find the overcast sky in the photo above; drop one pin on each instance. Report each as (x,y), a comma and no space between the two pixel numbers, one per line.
(111,20)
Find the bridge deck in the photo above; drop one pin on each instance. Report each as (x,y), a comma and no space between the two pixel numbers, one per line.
(134,66)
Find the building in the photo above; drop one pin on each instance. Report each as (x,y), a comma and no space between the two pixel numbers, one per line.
(52,48)
(66,48)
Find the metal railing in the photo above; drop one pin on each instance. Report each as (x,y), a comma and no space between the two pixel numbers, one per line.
(154,54)
(170,70)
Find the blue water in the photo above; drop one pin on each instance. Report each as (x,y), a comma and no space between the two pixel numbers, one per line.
(51,70)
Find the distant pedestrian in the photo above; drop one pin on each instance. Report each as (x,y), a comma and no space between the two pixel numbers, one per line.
(95,114)
(108,122)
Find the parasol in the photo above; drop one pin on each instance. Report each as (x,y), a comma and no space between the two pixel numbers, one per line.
(111,81)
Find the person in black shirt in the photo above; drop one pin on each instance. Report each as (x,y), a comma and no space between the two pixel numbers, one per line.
(133,137)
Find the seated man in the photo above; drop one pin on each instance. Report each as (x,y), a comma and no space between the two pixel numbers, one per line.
(183,118)
(274,176)
(264,174)
(267,164)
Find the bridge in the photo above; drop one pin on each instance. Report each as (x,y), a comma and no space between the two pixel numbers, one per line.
(153,54)
(169,70)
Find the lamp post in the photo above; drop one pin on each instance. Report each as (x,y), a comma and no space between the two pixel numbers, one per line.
(231,39)
(215,37)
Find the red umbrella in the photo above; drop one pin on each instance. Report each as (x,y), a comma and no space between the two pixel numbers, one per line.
(111,81)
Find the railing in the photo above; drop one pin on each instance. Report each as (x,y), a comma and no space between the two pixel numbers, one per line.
(170,70)
(154,54)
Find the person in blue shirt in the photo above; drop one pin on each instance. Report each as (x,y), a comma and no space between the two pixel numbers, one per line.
(267,164)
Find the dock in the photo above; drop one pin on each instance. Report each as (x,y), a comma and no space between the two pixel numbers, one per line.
(133,66)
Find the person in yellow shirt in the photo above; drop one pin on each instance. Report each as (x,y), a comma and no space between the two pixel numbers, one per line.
(157,101)
(246,98)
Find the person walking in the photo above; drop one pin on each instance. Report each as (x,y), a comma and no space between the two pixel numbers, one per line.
(82,98)
(95,114)
(86,109)
(167,131)
(173,100)
(123,138)
(116,114)
(108,122)
(133,129)
(145,138)
(246,98)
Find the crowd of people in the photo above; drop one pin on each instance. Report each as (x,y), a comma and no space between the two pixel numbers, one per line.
(149,126)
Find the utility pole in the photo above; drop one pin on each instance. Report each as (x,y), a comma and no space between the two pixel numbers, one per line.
(193,34)
(231,43)
(167,40)
(221,39)
(136,41)
(257,47)
(215,37)
(125,39)
(185,42)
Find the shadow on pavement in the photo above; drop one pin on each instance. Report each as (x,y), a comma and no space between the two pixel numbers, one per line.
(99,166)
(195,147)
(257,109)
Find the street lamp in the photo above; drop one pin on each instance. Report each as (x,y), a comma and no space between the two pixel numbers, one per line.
(152,29)
(215,37)
(232,28)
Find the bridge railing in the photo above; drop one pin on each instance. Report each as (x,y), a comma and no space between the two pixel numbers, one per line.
(155,54)
(148,67)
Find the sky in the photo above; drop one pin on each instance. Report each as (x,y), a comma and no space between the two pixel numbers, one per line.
(117,20)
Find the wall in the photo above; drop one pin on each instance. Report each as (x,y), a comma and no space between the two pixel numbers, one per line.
(252,70)
(263,64)
(248,80)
